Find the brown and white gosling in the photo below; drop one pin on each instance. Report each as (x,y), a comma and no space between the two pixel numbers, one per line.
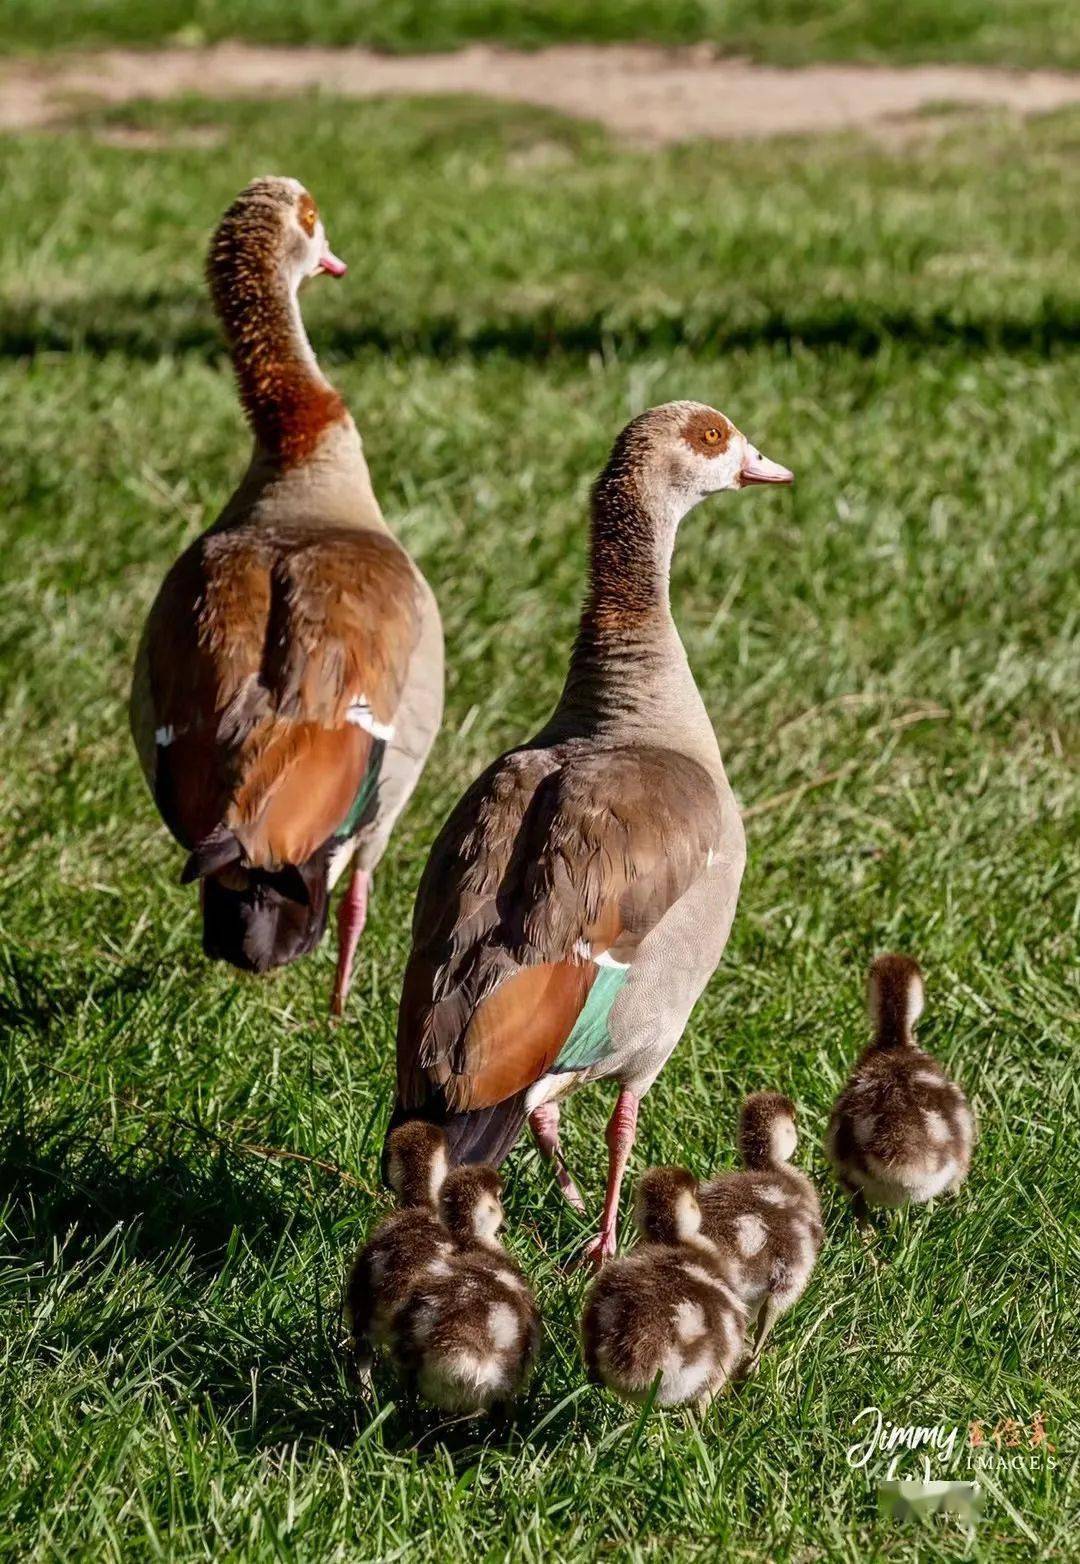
(901,1131)
(764,1222)
(434,1289)
(385,1269)
(468,1334)
(667,1309)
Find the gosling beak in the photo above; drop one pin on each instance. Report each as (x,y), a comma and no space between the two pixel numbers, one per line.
(759,469)
(329,263)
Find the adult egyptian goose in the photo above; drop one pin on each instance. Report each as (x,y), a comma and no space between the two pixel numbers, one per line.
(901,1130)
(468,1334)
(581,893)
(765,1222)
(669,1312)
(289,680)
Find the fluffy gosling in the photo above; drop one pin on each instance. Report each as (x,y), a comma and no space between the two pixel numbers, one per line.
(385,1268)
(468,1333)
(666,1312)
(765,1222)
(901,1131)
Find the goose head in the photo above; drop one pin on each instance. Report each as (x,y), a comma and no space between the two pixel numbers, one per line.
(894,991)
(674,456)
(415,1163)
(666,1209)
(273,226)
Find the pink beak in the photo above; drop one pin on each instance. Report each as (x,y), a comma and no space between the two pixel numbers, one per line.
(330,264)
(758,469)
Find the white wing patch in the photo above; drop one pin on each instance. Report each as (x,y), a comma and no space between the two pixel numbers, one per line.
(606,959)
(689,1320)
(751,1233)
(503,1325)
(937,1127)
(771,1195)
(360,714)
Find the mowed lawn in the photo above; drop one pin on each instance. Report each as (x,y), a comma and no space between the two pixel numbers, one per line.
(889,651)
(788,32)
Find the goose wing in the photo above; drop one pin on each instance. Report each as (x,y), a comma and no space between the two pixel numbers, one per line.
(273,668)
(556,864)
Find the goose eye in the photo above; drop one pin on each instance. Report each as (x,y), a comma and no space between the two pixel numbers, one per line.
(308,217)
(712,436)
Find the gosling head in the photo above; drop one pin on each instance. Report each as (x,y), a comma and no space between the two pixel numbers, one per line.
(415,1163)
(666,1209)
(273,227)
(894,999)
(767,1134)
(470,1204)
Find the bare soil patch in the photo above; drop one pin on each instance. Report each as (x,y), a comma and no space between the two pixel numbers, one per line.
(639,92)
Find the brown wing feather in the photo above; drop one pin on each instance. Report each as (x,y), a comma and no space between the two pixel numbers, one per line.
(257,645)
(553,856)
(296,789)
(612,840)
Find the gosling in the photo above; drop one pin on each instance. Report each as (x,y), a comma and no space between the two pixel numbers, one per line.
(385,1269)
(468,1334)
(667,1313)
(765,1222)
(901,1131)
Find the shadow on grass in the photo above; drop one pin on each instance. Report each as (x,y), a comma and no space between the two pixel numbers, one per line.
(36,994)
(263,1349)
(59,1176)
(144,326)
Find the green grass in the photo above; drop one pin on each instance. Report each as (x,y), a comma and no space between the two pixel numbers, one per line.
(890,654)
(788,32)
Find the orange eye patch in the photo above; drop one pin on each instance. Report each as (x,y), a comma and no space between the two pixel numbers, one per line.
(708,433)
(307,214)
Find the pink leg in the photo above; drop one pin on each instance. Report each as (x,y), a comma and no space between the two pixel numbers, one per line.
(352,915)
(621,1132)
(544,1123)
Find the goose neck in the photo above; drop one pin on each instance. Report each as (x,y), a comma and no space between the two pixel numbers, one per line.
(288,401)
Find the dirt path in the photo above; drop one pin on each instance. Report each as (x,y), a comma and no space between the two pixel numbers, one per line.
(639,92)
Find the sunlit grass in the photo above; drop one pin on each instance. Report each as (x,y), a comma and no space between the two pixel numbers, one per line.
(788,32)
(889,652)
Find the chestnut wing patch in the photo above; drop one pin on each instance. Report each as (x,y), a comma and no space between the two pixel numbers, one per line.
(274,660)
(553,858)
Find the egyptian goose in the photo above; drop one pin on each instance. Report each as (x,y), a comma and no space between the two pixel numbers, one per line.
(765,1222)
(581,893)
(467,1337)
(668,1312)
(901,1130)
(384,1270)
(289,680)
